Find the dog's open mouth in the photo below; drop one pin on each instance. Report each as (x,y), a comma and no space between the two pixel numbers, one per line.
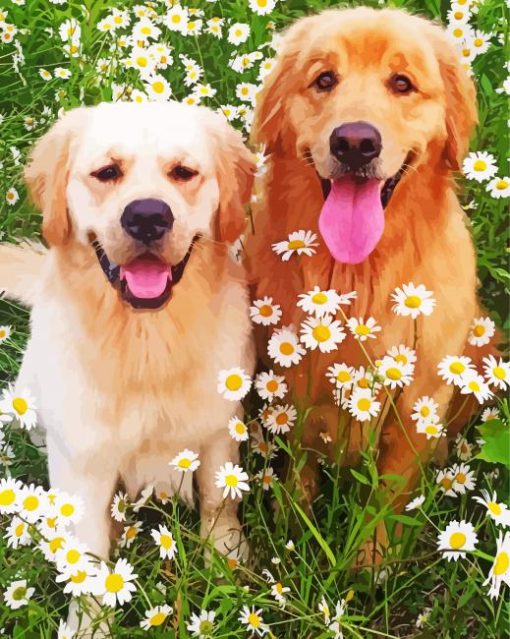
(352,217)
(147,281)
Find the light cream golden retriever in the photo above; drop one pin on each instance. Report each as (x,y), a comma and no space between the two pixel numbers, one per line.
(137,304)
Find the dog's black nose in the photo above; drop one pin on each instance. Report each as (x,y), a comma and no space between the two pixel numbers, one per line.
(355,144)
(147,220)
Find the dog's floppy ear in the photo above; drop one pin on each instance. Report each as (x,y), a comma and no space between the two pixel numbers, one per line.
(235,173)
(460,100)
(46,176)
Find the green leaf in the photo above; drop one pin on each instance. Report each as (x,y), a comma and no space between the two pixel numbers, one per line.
(496,449)
(361,478)
(320,539)
(405,519)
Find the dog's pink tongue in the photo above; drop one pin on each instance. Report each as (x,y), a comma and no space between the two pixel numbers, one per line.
(146,278)
(352,219)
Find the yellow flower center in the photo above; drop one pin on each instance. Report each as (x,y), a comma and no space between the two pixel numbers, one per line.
(2,334)
(131,532)
(431,429)
(319,298)
(479,330)
(184,463)
(501,564)
(158,87)
(56,544)
(362,329)
(231,481)
(343,376)
(234,382)
(460,478)
(114,582)
(447,483)
(364,404)
(31,503)
(67,510)
(499,372)
(265,310)
(321,333)
(480,165)
(393,373)
(176,19)
(458,15)
(278,587)
(286,348)
(240,428)
(141,61)
(474,386)
(457,368)
(501,185)
(457,540)
(254,620)
(145,30)
(457,33)
(19,530)
(262,3)
(157,619)
(424,411)
(282,419)
(494,508)
(72,556)
(79,577)
(166,541)
(272,386)
(7,497)
(413,301)
(296,244)
(363,382)
(478,42)
(20,405)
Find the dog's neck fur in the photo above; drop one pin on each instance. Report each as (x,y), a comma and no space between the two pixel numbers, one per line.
(293,200)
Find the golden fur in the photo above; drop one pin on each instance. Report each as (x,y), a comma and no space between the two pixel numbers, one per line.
(426,237)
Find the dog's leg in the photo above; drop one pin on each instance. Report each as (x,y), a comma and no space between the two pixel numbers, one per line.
(218,515)
(94,481)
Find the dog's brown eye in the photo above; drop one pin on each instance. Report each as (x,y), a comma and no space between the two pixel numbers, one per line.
(182,173)
(401,84)
(325,81)
(108,173)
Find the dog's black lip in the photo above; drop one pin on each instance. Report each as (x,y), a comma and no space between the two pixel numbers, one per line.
(112,272)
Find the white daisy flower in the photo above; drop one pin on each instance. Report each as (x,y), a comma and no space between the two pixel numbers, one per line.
(402,354)
(71,557)
(265,68)
(232,479)
(70,30)
(480,41)
(415,503)
(489,413)
(395,374)
(64,631)
(452,369)
(497,372)
(166,542)
(17,594)
(106,25)
(270,386)
(63,74)
(424,408)
(498,511)
(284,348)
(463,448)
(445,480)
(119,506)
(411,301)
(479,166)
(319,303)
(114,586)
(202,625)
(233,384)
(145,30)
(481,331)
(142,61)
(156,616)
(17,533)
(266,477)
(252,619)
(32,503)
(323,333)
(365,380)
(230,112)
(214,27)
(278,591)
(463,478)
(262,7)
(238,429)
(45,74)
(341,375)
(54,539)
(20,405)
(80,581)
(238,33)
(264,312)
(423,617)
(10,493)
(362,405)
(499,187)
(324,608)
(11,196)
(186,461)
(299,242)
(176,19)
(458,14)
(158,89)
(431,427)
(458,32)
(473,383)
(500,569)
(247,92)
(68,508)
(363,330)
(281,419)
(129,534)
(457,539)
(193,27)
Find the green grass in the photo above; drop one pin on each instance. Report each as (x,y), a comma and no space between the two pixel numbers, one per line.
(415,576)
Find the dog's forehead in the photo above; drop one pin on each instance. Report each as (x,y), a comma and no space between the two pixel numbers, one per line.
(159,130)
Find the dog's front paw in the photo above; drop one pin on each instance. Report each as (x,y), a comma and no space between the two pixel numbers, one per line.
(227,538)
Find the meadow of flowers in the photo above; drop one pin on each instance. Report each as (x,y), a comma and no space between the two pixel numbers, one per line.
(447,571)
